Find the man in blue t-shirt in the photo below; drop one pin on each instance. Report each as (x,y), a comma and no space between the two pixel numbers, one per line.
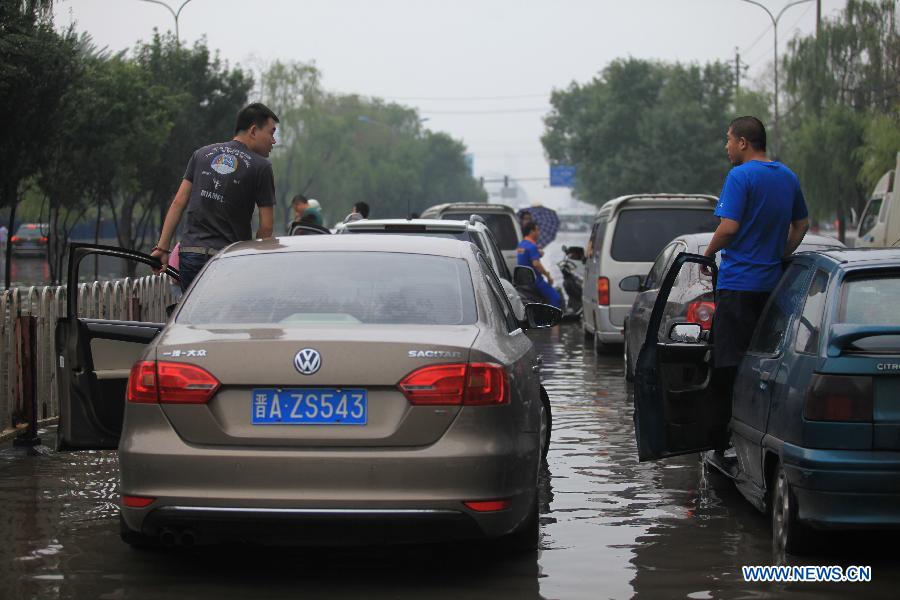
(528,255)
(763,219)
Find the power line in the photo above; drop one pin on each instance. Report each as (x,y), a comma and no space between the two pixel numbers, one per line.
(757,40)
(464,98)
(499,111)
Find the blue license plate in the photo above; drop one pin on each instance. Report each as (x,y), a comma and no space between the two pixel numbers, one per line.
(300,406)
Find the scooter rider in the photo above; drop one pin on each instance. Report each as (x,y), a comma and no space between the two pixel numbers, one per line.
(528,255)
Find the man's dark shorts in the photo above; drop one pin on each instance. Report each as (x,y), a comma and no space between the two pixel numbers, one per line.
(189,264)
(735,318)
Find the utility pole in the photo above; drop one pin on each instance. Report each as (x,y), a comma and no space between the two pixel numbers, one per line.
(739,68)
(175,13)
(777,124)
(818,18)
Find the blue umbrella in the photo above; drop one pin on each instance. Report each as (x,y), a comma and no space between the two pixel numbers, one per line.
(547,221)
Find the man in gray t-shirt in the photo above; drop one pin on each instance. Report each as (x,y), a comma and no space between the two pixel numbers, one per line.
(222,184)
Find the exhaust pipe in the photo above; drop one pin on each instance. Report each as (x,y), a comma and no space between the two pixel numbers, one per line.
(188,538)
(168,538)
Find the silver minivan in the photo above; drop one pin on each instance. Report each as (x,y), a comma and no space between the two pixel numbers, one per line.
(627,235)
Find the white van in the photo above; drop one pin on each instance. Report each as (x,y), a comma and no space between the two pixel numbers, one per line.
(500,219)
(879,225)
(627,235)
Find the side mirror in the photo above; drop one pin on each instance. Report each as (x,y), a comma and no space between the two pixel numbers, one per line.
(686,332)
(574,252)
(523,276)
(632,283)
(541,316)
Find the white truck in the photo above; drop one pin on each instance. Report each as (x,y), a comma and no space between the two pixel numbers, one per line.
(879,225)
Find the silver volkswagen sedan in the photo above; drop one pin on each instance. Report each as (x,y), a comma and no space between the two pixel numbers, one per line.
(316,390)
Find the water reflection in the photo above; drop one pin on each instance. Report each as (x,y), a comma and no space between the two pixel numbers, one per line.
(611,527)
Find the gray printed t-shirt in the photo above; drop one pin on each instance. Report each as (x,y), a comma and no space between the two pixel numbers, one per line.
(228,181)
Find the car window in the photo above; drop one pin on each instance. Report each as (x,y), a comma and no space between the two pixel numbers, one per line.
(498,297)
(597,238)
(658,270)
(32,231)
(641,233)
(497,260)
(297,288)
(870,217)
(811,318)
(872,301)
(776,317)
(500,224)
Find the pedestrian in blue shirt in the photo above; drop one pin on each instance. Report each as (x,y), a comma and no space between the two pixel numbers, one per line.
(763,219)
(529,255)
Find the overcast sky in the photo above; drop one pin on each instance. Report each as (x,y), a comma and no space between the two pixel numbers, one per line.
(481,71)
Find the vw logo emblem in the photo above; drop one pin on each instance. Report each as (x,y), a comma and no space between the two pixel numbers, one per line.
(307,361)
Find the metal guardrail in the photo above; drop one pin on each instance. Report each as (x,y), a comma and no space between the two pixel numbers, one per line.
(140,299)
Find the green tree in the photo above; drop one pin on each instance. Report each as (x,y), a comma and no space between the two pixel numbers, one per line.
(207,94)
(842,91)
(643,126)
(37,66)
(342,149)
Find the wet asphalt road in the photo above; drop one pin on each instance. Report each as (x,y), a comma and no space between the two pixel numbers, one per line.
(611,527)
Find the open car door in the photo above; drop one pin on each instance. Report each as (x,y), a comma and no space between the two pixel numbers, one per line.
(309,229)
(95,356)
(676,407)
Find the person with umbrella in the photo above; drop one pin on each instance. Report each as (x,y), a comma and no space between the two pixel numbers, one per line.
(528,255)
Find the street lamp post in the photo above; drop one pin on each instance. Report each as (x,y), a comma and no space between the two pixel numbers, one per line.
(775,20)
(175,13)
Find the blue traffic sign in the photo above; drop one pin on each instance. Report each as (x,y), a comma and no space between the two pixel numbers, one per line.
(562,176)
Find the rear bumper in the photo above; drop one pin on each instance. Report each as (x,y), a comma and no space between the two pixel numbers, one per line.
(320,495)
(853,489)
(605,330)
(318,527)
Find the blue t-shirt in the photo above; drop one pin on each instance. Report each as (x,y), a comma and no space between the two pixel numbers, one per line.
(764,197)
(526,253)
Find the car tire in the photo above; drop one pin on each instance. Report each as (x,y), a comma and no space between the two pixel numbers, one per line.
(788,533)
(629,368)
(600,347)
(135,539)
(545,426)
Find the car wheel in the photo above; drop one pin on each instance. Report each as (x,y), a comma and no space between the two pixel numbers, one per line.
(788,533)
(136,540)
(600,347)
(545,425)
(629,369)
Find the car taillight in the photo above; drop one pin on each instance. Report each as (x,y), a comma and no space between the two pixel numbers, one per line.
(137,501)
(603,291)
(701,313)
(839,398)
(142,383)
(476,384)
(42,240)
(170,383)
(14,239)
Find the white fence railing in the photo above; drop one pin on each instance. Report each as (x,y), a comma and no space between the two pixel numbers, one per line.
(140,299)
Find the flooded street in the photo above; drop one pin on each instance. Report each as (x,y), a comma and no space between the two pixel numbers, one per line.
(611,527)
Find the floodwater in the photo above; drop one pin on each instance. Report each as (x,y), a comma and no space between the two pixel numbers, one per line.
(611,527)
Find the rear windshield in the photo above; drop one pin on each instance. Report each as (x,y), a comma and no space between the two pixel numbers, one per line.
(501,225)
(300,288)
(872,301)
(641,234)
(451,235)
(32,231)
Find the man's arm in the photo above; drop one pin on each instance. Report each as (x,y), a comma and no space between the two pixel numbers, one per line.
(266,222)
(795,235)
(173,217)
(725,232)
(540,269)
